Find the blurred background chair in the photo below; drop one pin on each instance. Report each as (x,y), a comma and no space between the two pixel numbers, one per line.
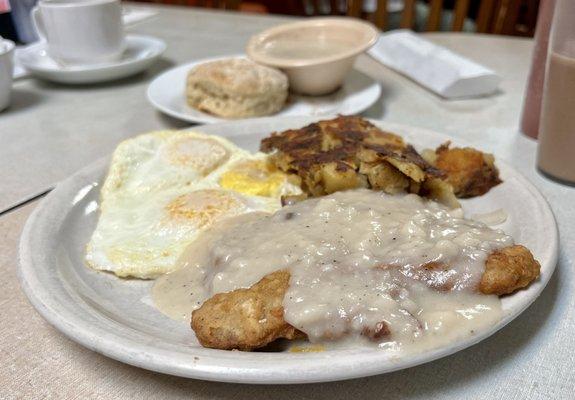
(504,17)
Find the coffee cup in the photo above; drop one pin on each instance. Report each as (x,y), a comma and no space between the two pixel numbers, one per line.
(6,70)
(81,32)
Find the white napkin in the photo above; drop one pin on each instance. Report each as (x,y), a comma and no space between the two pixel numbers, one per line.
(434,67)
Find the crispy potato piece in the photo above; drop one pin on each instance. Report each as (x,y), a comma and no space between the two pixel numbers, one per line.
(508,270)
(245,319)
(439,190)
(384,177)
(407,168)
(335,179)
(470,171)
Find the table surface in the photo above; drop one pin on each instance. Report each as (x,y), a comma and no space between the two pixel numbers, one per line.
(51,131)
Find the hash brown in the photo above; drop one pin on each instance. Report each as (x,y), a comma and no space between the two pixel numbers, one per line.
(350,152)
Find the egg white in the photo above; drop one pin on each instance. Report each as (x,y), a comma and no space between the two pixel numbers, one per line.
(164,189)
(161,160)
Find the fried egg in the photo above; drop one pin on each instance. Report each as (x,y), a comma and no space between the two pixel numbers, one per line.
(163,189)
(158,161)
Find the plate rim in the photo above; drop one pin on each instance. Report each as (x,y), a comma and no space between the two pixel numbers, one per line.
(106,345)
(211,119)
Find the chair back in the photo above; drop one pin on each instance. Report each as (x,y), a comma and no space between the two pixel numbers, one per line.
(504,17)
(508,17)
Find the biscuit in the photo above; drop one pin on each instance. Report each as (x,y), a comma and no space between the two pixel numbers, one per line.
(236,88)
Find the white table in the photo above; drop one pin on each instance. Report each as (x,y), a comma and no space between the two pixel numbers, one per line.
(54,130)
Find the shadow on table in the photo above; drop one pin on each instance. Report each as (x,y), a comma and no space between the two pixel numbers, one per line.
(172,122)
(425,381)
(22,99)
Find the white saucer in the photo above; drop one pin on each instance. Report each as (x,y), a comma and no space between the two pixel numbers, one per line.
(358,93)
(141,52)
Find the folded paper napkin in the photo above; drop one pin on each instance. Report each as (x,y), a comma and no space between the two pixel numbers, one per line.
(434,67)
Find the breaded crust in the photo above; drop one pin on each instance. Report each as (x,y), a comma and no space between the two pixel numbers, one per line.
(508,270)
(470,171)
(245,319)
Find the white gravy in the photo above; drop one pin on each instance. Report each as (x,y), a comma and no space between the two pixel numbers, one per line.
(360,268)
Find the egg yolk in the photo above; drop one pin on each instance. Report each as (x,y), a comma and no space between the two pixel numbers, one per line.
(254,178)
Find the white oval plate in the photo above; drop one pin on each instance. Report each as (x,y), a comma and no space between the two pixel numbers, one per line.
(141,52)
(167,93)
(116,318)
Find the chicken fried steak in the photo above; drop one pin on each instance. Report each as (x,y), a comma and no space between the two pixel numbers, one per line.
(247,319)
(508,270)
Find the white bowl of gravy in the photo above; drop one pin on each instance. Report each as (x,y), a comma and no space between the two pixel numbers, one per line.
(315,54)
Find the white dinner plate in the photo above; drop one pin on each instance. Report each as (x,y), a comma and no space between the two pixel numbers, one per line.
(167,93)
(115,317)
(141,52)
